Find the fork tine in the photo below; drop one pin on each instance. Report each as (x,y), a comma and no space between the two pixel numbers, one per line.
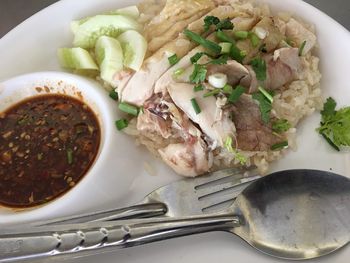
(210,178)
(211,202)
(208,191)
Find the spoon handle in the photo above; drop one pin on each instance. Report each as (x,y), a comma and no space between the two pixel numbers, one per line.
(93,238)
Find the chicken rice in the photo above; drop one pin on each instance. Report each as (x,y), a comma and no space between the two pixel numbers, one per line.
(204,111)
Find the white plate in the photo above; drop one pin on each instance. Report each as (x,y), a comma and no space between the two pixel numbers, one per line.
(32,47)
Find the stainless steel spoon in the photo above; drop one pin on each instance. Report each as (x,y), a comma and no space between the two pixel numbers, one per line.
(296,214)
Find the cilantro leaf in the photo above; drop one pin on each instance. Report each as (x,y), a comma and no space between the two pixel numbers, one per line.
(335,125)
(328,109)
(240,157)
(259,67)
(225,24)
(265,106)
(209,21)
(199,73)
(236,94)
(281,126)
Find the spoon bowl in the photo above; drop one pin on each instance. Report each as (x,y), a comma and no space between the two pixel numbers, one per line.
(296,214)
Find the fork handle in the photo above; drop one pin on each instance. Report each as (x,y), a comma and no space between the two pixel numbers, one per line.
(137,211)
(92,238)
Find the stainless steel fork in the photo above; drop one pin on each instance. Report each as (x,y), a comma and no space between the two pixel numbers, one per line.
(188,197)
(189,202)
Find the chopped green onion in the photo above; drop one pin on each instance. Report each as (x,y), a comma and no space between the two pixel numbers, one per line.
(179,72)
(236,94)
(199,73)
(225,38)
(212,93)
(225,47)
(218,80)
(114,95)
(222,60)
(279,146)
(173,60)
(195,106)
(196,57)
(70,156)
(237,54)
(301,48)
(255,40)
(281,126)
(266,94)
(259,67)
(211,46)
(121,124)
(199,87)
(228,89)
(241,34)
(129,109)
(290,42)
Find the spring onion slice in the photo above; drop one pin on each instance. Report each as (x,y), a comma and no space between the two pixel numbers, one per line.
(280,146)
(198,87)
(69,156)
(218,80)
(211,46)
(241,34)
(212,93)
(266,94)
(255,40)
(121,124)
(225,47)
(237,54)
(113,95)
(129,109)
(195,106)
(301,48)
(173,60)
(179,72)
(224,37)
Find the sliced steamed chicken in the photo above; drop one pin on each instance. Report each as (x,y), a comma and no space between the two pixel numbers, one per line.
(173,19)
(187,159)
(140,86)
(217,129)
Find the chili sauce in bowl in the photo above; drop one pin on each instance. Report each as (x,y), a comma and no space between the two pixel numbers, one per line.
(56,130)
(47,145)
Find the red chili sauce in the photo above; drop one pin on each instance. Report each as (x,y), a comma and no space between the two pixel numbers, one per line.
(47,144)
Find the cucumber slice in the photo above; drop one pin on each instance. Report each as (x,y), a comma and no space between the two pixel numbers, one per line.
(134,47)
(109,55)
(131,11)
(76,59)
(87,33)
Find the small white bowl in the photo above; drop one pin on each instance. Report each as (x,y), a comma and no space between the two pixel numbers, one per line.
(23,87)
